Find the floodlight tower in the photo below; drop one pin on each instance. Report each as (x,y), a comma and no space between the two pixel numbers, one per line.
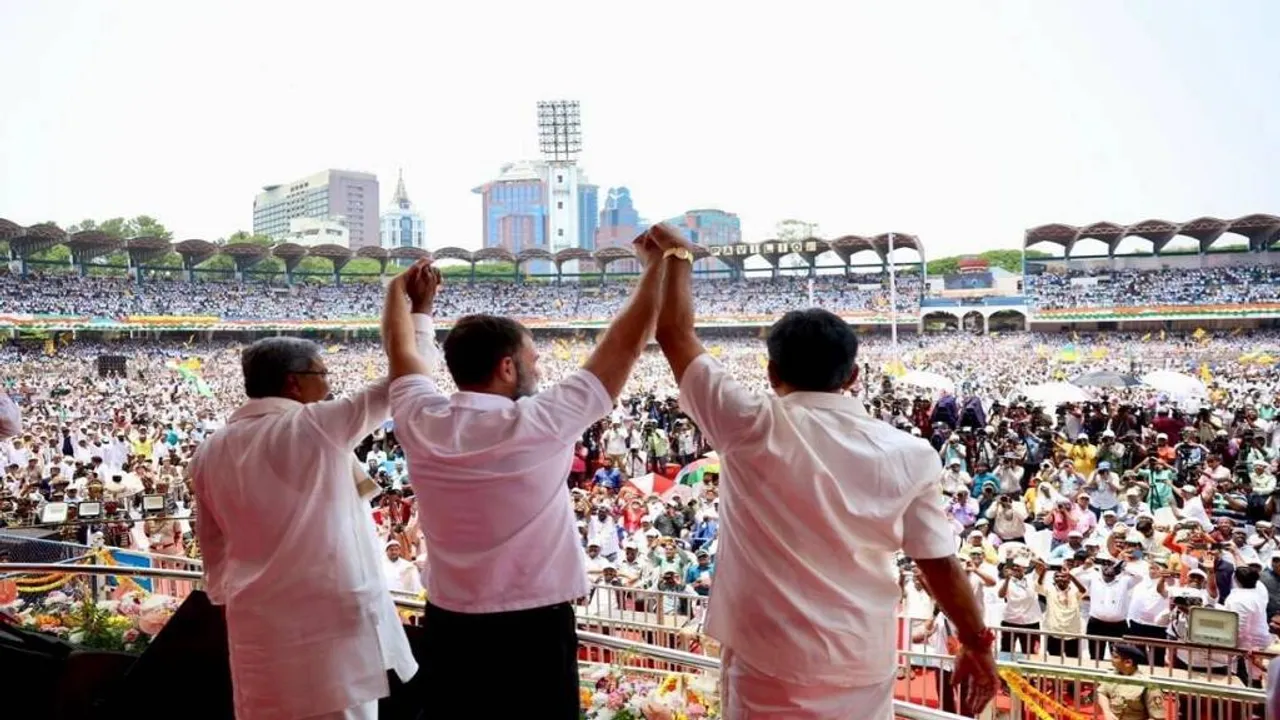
(560,140)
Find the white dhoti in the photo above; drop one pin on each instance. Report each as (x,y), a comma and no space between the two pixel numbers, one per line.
(749,694)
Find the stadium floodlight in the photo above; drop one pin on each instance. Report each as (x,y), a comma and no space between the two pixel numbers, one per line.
(89,510)
(559,130)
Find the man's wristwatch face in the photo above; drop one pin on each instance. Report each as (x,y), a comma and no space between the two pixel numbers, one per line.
(679,254)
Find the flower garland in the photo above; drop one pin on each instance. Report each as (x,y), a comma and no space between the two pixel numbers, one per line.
(1037,702)
(33,585)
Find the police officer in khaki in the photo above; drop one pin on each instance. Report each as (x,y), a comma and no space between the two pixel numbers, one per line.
(1129,701)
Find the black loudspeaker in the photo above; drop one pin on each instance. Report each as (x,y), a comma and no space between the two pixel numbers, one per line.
(111,365)
(186,668)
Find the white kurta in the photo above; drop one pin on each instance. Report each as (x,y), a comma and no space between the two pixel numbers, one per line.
(10,418)
(291,552)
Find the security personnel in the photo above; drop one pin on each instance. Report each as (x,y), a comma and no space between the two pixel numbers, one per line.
(1129,700)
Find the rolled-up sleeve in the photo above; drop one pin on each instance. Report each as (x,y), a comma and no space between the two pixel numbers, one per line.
(424,335)
(727,413)
(569,407)
(344,422)
(926,533)
(10,417)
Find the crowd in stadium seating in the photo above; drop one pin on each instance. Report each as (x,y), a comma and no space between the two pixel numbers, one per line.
(118,297)
(1146,288)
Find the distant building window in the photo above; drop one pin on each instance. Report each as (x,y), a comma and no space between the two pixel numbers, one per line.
(560,232)
(559,178)
(559,204)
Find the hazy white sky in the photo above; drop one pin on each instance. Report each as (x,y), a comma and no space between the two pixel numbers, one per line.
(962,122)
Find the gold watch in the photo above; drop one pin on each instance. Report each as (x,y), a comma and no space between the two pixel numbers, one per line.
(679,253)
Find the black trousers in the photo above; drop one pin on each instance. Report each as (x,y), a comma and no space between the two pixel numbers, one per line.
(1155,632)
(1068,648)
(1025,640)
(1105,629)
(533,652)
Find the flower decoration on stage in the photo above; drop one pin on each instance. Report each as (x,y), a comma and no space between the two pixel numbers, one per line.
(617,695)
(127,623)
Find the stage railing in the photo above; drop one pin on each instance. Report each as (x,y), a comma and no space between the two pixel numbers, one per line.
(924,676)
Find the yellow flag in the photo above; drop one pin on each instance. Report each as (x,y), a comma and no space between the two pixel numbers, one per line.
(1162,335)
(1236,332)
(715,351)
(370,373)
(64,339)
(1099,353)
(1146,337)
(1205,376)
(49,348)
(1199,334)
(333,349)
(763,360)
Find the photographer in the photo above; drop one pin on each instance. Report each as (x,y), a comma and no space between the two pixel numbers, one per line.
(659,447)
(1008,518)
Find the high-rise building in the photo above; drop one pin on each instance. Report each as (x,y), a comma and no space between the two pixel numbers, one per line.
(350,198)
(709,227)
(317,231)
(522,208)
(402,226)
(619,225)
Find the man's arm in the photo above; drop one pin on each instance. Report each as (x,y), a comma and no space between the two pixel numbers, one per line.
(617,352)
(927,539)
(399,336)
(674,331)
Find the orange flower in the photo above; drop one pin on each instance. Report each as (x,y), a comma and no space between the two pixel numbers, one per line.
(584,697)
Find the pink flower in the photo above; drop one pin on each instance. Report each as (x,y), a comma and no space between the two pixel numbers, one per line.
(696,711)
(131,636)
(153,621)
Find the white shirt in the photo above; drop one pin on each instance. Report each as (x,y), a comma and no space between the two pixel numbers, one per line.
(291,552)
(1109,601)
(1251,606)
(401,575)
(1022,601)
(816,497)
(10,417)
(491,472)
(1146,604)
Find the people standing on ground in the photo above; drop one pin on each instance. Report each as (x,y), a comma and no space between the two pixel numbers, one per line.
(488,466)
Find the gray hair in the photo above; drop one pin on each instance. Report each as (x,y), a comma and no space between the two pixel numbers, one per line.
(268,363)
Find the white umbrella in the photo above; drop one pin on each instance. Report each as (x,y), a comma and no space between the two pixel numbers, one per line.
(1052,394)
(926,379)
(1176,384)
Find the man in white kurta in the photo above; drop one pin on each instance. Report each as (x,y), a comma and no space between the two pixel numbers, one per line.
(290,549)
(816,497)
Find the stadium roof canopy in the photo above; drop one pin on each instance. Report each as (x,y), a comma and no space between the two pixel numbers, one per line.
(1260,230)
(86,245)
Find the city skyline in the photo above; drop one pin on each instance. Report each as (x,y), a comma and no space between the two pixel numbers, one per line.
(962,124)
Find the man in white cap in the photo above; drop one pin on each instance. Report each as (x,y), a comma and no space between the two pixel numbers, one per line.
(400,574)
(954,478)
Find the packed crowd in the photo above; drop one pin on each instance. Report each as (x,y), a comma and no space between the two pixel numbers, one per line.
(1146,288)
(1111,516)
(118,297)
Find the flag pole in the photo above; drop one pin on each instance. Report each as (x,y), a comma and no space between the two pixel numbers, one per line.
(893,297)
